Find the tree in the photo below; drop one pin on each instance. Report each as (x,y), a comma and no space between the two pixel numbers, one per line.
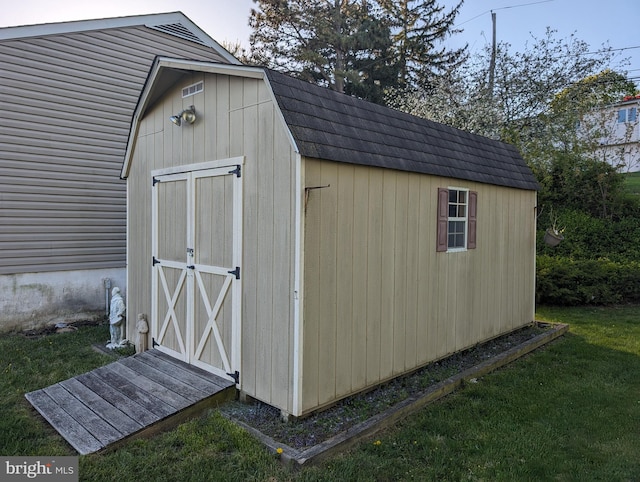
(567,152)
(539,97)
(419,28)
(329,42)
(361,47)
(525,84)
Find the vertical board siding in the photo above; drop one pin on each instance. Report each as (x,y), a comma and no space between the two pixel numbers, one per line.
(379,300)
(70,98)
(235,118)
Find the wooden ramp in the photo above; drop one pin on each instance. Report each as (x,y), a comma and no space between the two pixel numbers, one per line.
(133,396)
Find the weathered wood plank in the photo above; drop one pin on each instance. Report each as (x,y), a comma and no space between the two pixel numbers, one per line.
(122,402)
(117,418)
(127,399)
(168,380)
(201,373)
(82,415)
(194,376)
(162,393)
(79,438)
(135,393)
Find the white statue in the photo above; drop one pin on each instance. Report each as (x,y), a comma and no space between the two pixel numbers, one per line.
(116,319)
(142,328)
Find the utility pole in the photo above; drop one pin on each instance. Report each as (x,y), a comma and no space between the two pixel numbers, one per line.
(492,64)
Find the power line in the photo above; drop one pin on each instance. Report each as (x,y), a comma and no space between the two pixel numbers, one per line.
(503,8)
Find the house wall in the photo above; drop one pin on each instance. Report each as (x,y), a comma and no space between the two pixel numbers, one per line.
(68,100)
(619,142)
(236,117)
(379,300)
(57,296)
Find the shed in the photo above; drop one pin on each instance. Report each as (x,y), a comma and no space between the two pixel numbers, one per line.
(67,95)
(310,245)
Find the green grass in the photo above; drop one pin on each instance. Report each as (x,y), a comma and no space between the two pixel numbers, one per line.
(632,182)
(27,364)
(570,411)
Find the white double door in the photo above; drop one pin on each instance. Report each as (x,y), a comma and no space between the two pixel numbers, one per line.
(196,284)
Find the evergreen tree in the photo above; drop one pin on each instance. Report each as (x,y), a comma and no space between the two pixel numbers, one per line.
(360,47)
(335,43)
(419,28)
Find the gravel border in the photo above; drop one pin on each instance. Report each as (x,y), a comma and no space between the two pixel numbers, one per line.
(319,435)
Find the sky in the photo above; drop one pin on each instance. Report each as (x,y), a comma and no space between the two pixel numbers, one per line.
(613,22)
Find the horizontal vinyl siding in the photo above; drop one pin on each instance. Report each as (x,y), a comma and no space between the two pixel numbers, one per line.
(69,99)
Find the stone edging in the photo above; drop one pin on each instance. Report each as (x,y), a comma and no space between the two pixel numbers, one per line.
(355,434)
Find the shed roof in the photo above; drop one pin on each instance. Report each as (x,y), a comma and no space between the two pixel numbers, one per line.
(337,127)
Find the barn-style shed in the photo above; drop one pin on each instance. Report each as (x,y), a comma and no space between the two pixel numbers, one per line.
(310,244)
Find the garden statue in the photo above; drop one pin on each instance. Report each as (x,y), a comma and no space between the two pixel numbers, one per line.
(142,328)
(116,319)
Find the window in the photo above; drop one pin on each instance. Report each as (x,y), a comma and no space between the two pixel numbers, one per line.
(627,115)
(456,228)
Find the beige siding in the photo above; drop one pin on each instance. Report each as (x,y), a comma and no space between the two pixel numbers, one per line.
(379,300)
(236,117)
(70,98)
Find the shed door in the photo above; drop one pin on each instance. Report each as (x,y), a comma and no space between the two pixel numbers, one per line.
(196,268)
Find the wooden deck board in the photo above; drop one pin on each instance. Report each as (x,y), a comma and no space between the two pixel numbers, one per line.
(117,418)
(163,393)
(152,373)
(124,386)
(74,433)
(90,420)
(191,375)
(118,399)
(130,396)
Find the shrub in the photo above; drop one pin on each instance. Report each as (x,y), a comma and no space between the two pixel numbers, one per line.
(565,281)
(586,237)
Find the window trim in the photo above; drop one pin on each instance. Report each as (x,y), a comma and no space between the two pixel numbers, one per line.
(628,115)
(464,219)
(470,219)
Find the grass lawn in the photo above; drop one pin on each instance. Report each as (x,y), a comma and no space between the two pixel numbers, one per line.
(570,411)
(632,182)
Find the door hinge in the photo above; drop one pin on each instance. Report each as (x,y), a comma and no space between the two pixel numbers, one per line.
(154,343)
(155,261)
(155,181)
(235,272)
(236,376)
(237,171)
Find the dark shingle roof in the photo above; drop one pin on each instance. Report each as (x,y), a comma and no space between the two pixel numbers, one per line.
(337,127)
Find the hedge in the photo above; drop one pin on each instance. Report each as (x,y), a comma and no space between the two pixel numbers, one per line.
(566,281)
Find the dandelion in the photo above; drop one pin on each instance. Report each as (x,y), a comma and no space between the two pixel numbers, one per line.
(279,450)
(377,442)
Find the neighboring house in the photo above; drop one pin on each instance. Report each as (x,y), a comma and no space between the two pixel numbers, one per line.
(311,245)
(67,95)
(618,130)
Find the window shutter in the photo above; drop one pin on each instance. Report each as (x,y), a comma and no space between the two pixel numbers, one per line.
(473,208)
(443,219)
